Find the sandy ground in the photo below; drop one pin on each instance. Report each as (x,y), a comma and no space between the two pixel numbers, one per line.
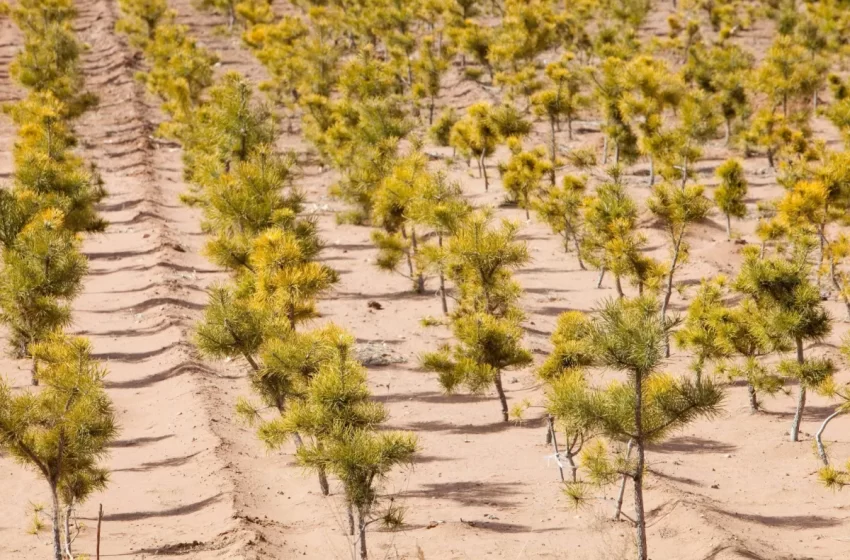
(189,481)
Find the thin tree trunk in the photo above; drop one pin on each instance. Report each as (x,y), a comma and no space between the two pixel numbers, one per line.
(323,482)
(819,436)
(68,552)
(651,171)
(351,527)
(443,281)
(605,151)
(601,276)
(619,286)
(573,466)
(57,539)
(570,128)
(619,503)
(34,372)
(578,252)
(640,520)
(668,293)
(728,226)
(99,521)
(251,361)
(484,172)
(727,131)
(754,403)
(420,280)
(502,398)
(364,554)
(408,255)
(443,300)
(554,151)
(554,438)
(814,102)
(323,475)
(616,153)
(801,397)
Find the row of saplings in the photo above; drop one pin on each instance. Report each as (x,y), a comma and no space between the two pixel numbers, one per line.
(62,429)
(310,386)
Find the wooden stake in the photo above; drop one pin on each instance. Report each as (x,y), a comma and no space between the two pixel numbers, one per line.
(99,519)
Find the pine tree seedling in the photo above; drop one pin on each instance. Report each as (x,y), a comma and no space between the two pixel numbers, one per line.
(477,135)
(481,258)
(577,431)
(610,91)
(485,347)
(730,194)
(612,241)
(629,335)
(42,273)
(140,20)
(752,339)
(561,209)
(678,209)
(441,131)
(781,75)
(289,364)
(477,40)
(782,291)
(48,175)
(721,72)
(522,175)
(228,127)
(775,133)
(180,72)
(340,418)
(428,72)
(392,208)
(704,330)
(650,90)
(563,100)
(286,279)
(442,209)
(63,431)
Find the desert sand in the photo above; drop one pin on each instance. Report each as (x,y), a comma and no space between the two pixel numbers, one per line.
(190,481)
